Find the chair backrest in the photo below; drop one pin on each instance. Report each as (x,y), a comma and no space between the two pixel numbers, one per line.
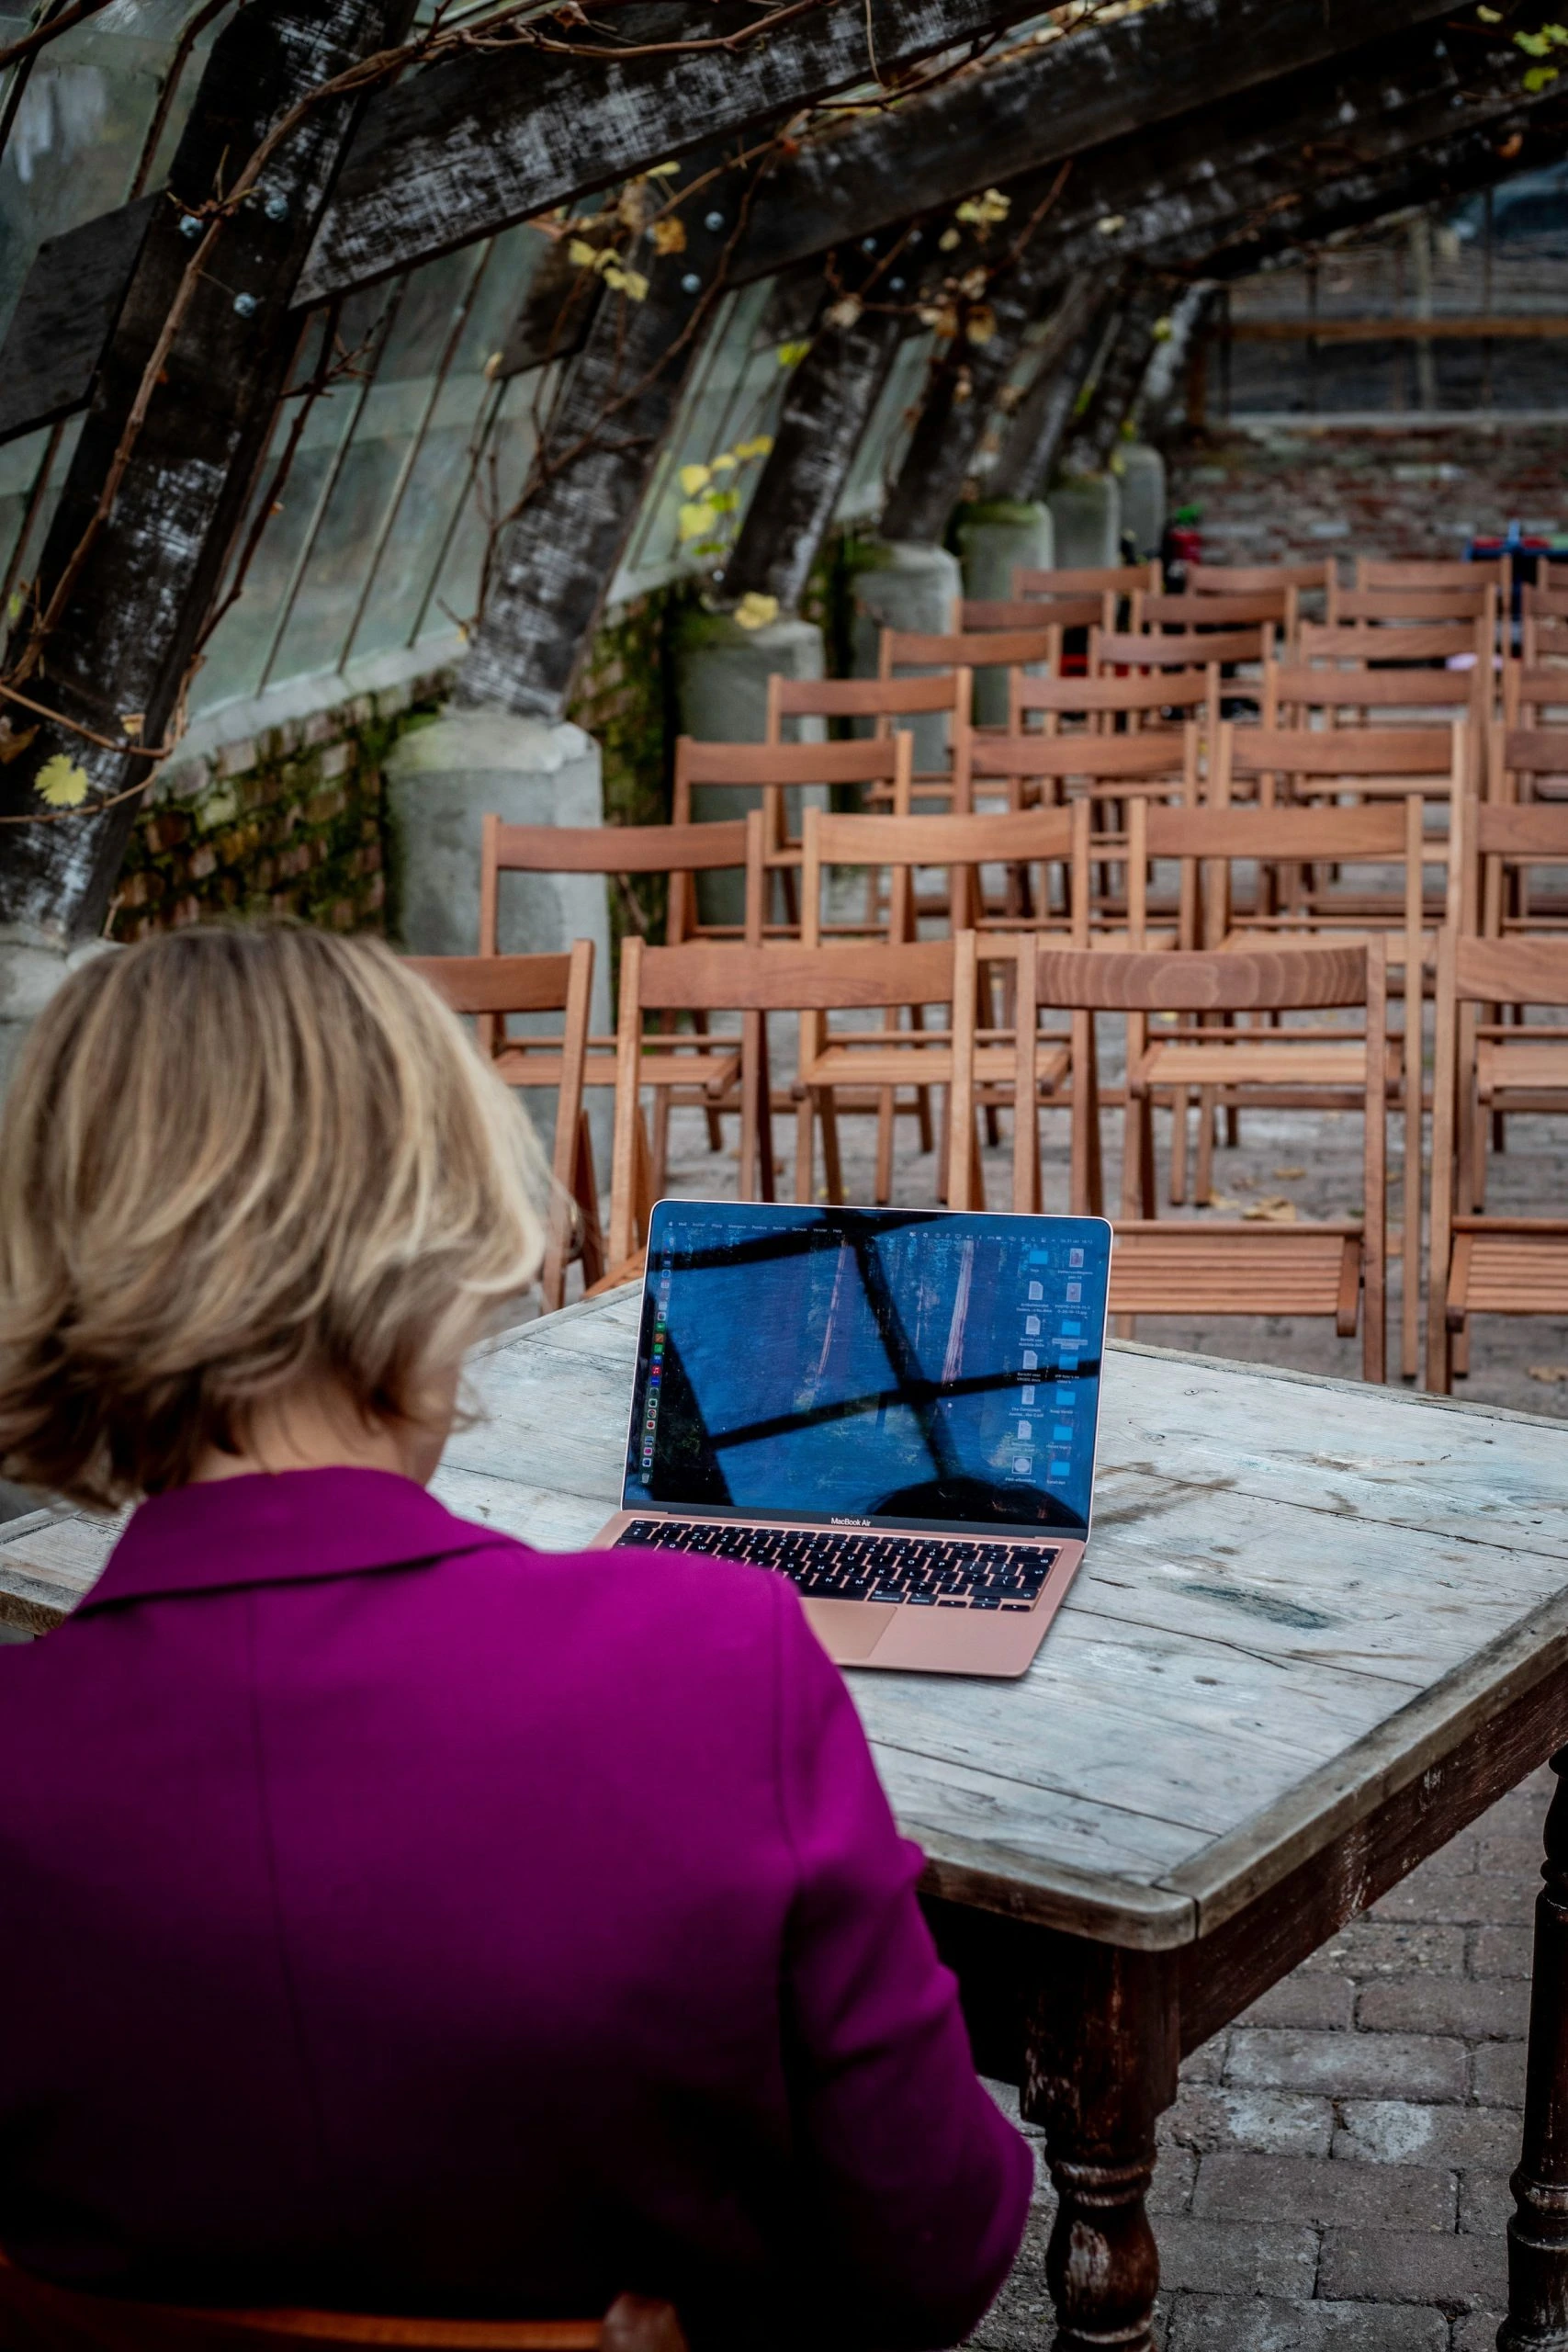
(774,769)
(1180,650)
(722,976)
(1293,688)
(500,984)
(882,700)
(1101,766)
(963,843)
(1392,606)
(976,613)
(1374,571)
(1092,580)
(1251,578)
(1507,837)
(1276,980)
(47,2318)
(1163,697)
(1543,621)
(679,851)
(1456,641)
(1211,610)
(1364,758)
(965,648)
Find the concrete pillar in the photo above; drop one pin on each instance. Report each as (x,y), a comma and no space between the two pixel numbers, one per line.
(993,539)
(1143,497)
(910,585)
(1085,510)
(30,971)
(721,683)
(441,781)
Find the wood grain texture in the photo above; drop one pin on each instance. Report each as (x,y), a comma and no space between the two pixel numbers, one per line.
(479,141)
(1301,1596)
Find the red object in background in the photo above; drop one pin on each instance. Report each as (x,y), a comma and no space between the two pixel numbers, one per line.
(1183,545)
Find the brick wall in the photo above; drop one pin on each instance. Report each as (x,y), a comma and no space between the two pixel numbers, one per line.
(1390,493)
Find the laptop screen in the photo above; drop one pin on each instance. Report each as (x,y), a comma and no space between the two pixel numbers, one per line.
(910,1367)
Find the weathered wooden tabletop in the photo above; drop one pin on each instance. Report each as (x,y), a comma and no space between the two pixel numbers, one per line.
(1301,1595)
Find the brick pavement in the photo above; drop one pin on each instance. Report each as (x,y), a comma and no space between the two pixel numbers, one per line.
(1333,2176)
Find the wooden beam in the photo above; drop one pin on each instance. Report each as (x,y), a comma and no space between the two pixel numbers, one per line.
(137,581)
(1013,120)
(480,140)
(830,398)
(553,562)
(1092,442)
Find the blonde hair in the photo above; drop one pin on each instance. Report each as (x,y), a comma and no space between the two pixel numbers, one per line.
(230,1159)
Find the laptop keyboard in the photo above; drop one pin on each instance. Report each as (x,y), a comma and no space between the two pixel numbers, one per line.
(931,1571)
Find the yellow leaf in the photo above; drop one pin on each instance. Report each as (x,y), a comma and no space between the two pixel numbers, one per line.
(631,283)
(670,234)
(1276,1210)
(61,783)
(948,239)
(1163,329)
(696,520)
(1108,223)
(695,478)
(981,324)
(790,355)
(1552,1375)
(663,171)
(755,612)
(131,723)
(980,211)
(760,446)
(585,256)
(726,461)
(1490,15)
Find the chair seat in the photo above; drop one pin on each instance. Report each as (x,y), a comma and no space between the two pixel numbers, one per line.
(1271,1058)
(1508,1266)
(1160,1267)
(1506,1063)
(520,1065)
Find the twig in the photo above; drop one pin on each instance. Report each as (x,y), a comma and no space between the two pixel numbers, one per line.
(41,35)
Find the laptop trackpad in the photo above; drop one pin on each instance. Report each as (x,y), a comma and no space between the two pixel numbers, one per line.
(848,1629)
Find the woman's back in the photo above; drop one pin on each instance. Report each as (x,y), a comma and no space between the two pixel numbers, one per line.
(397,1916)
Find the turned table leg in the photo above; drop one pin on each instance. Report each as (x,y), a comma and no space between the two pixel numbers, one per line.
(1102,2060)
(1538,2230)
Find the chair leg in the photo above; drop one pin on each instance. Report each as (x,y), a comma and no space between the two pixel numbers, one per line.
(715,1131)
(1204,1185)
(1137,1121)
(1180,1114)
(833,1165)
(765,1114)
(805,1147)
(585,1193)
(1410,1245)
(887,1113)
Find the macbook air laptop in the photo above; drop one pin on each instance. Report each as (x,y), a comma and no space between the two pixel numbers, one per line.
(895,1408)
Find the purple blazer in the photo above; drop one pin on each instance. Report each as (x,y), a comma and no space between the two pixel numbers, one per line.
(391,1915)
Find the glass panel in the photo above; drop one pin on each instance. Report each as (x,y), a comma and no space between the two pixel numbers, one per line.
(508,452)
(84,110)
(19,464)
(887,436)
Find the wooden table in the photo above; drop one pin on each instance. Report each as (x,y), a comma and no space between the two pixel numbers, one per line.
(1320,1627)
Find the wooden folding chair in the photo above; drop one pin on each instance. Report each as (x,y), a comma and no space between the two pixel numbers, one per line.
(38,2316)
(495,989)
(1197,1267)
(1480,1265)
(935,711)
(1029,846)
(882,767)
(678,851)
(1303,695)
(1389,573)
(1109,705)
(1516,1068)
(1271,1067)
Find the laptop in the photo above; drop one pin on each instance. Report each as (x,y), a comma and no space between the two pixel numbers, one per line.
(896,1408)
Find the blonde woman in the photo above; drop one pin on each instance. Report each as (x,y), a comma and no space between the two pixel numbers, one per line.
(391,1915)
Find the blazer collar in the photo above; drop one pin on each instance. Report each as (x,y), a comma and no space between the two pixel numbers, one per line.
(297,1527)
